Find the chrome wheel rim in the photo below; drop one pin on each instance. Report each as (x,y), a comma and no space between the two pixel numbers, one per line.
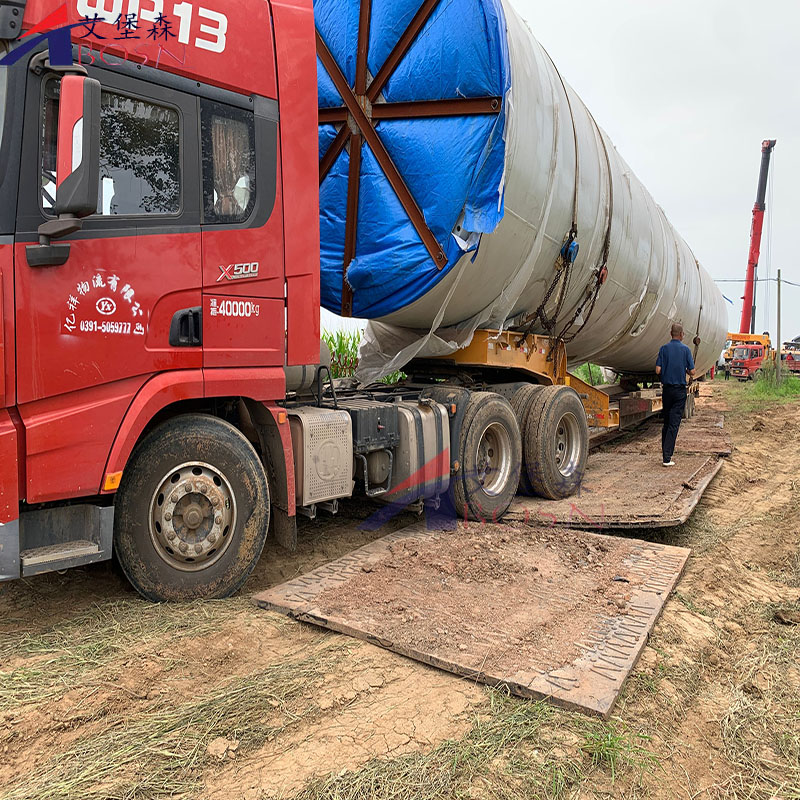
(493,459)
(192,517)
(568,445)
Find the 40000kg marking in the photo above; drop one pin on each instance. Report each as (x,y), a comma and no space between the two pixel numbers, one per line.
(234,308)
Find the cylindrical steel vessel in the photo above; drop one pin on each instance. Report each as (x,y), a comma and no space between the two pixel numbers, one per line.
(651,277)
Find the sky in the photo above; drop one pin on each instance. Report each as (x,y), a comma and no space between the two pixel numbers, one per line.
(687,90)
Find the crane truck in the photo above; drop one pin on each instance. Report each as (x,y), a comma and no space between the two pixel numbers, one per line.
(163,395)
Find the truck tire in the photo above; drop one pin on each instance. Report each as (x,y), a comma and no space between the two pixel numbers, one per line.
(556,443)
(489,454)
(192,511)
(522,403)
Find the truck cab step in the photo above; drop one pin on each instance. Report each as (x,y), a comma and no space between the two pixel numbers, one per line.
(48,556)
(55,539)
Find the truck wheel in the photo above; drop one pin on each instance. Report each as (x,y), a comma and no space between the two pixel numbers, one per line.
(556,443)
(192,512)
(490,453)
(522,403)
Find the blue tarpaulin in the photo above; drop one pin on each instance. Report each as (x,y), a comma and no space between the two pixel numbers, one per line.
(451,165)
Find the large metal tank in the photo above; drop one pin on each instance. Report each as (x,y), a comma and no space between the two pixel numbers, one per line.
(556,172)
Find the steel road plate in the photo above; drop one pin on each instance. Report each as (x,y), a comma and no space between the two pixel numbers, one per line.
(531,609)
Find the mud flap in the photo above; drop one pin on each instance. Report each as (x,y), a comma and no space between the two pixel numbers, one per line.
(9,550)
(283,523)
(284,528)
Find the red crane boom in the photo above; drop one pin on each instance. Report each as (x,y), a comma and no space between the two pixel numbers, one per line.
(748,322)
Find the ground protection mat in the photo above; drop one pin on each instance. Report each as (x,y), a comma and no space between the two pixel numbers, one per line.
(626,487)
(546,612)
(626,490)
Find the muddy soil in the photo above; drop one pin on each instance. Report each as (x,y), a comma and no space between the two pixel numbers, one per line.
(91,677)
(545,589)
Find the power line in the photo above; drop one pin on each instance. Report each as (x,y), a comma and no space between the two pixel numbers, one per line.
(757,280)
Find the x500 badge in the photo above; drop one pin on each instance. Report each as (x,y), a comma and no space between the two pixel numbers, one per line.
(236,272)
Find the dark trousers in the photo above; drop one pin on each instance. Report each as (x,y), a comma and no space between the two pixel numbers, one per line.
(727,374)
(674,401)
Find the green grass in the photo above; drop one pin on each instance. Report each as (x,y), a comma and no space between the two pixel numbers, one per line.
(764,391)
(692,606)
(69,654)
(761,729)
(344,355)
(768,388)
(589,373)
(614,747)
(515,749)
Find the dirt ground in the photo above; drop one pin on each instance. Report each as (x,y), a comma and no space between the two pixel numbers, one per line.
(519,568)
(105,696)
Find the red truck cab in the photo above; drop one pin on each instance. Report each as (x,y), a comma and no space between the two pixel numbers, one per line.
(184,293)
(748,360)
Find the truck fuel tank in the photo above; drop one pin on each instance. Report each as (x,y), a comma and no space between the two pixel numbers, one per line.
(400,451)
(422,463)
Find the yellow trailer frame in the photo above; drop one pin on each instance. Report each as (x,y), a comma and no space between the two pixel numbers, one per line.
(547,363)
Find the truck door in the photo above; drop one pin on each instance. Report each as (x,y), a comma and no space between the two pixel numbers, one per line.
(134,272)
(243,266)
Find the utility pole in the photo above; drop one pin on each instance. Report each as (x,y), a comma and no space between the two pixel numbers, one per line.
(778,363)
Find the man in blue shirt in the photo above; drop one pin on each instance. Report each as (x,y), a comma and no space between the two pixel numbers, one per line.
(674,363)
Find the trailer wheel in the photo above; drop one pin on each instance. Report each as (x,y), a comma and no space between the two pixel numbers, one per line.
(490,453)
(192,512)
(522,403)
(556,443)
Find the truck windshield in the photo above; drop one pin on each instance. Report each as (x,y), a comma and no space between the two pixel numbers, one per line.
(740,353)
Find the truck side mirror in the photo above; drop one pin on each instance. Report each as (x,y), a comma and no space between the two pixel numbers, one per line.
(77,171)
